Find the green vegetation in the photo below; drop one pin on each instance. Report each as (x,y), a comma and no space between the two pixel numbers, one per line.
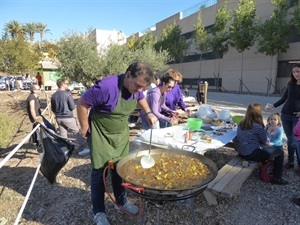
(243,30)
(201,38)
(273,34)
(172,41)
(7,130)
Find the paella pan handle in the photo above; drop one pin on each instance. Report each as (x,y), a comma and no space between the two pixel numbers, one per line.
(129,186)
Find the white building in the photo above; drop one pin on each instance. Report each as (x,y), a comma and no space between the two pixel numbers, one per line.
(106,37)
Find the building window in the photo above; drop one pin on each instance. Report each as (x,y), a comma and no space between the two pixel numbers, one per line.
(285,68)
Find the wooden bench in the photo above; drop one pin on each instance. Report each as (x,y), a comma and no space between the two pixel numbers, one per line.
(229,180)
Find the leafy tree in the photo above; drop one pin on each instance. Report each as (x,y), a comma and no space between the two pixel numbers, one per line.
(296,17)
(242,30)
(117,58)
(273,34)
(201,38)
(172,41)
(79,58)
(17,56)
(219,40)
(148,39)
(157,59)
(50,48)
(133,42)
(13,28)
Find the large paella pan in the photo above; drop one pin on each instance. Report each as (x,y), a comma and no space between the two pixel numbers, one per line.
(177,174)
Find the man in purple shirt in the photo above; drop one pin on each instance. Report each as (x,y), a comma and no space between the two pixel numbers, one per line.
(103,113)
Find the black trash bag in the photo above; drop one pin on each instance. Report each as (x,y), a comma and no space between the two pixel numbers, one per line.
(34,137)
(57,151)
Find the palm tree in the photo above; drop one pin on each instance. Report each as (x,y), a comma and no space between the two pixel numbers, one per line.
(14,28)
(41,28)
(30,29)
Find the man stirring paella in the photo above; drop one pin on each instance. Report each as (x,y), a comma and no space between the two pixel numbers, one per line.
(110,102)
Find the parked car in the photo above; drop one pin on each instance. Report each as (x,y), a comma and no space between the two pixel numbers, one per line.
(27,83)
(76,87)
(10,82)
(2,84)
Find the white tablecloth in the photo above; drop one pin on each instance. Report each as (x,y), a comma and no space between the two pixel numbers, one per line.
(173,137)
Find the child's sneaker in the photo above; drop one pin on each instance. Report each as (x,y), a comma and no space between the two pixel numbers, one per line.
(289,166)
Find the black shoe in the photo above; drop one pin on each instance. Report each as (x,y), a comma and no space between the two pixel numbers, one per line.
(289,166)
(296,200)
(279,181)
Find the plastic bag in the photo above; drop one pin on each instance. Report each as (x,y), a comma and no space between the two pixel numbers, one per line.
(205,111)
(57,151)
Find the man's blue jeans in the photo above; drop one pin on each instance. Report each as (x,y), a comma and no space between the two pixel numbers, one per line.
(98,189)
(288,123)
(98,186)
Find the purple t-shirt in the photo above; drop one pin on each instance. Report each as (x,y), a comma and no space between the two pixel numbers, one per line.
(103,96)
(174,98)
(156,101)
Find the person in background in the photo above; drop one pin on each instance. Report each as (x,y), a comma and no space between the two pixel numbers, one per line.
(251,142)
(274,130)
(39,79)
(103,113)
(156,101)
(152,85)
(174,98)
(186,91)
(290,112)
(33,107)
(62,105)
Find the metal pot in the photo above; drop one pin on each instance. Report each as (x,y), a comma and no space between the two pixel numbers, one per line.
(162,194)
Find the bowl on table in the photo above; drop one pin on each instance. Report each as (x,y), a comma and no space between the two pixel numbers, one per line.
(237,119)
(194,123)
(217,122)
(207,120)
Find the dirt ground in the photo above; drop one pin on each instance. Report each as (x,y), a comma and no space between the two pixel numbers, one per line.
(67,201)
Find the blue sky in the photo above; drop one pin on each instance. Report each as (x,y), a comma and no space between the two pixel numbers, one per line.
(61,16)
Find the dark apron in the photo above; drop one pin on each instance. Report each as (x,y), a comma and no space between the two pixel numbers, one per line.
(110,132)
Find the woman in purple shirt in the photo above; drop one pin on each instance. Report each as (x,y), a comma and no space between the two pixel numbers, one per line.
(174,97)
(156,101)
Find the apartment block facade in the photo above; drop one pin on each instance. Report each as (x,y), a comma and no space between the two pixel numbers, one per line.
(258,69)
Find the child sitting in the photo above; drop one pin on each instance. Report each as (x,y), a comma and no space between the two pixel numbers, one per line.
(274,130)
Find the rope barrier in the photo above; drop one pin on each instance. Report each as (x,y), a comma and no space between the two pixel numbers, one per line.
(28,192)
(22,142)
(17,147)
(36,172)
